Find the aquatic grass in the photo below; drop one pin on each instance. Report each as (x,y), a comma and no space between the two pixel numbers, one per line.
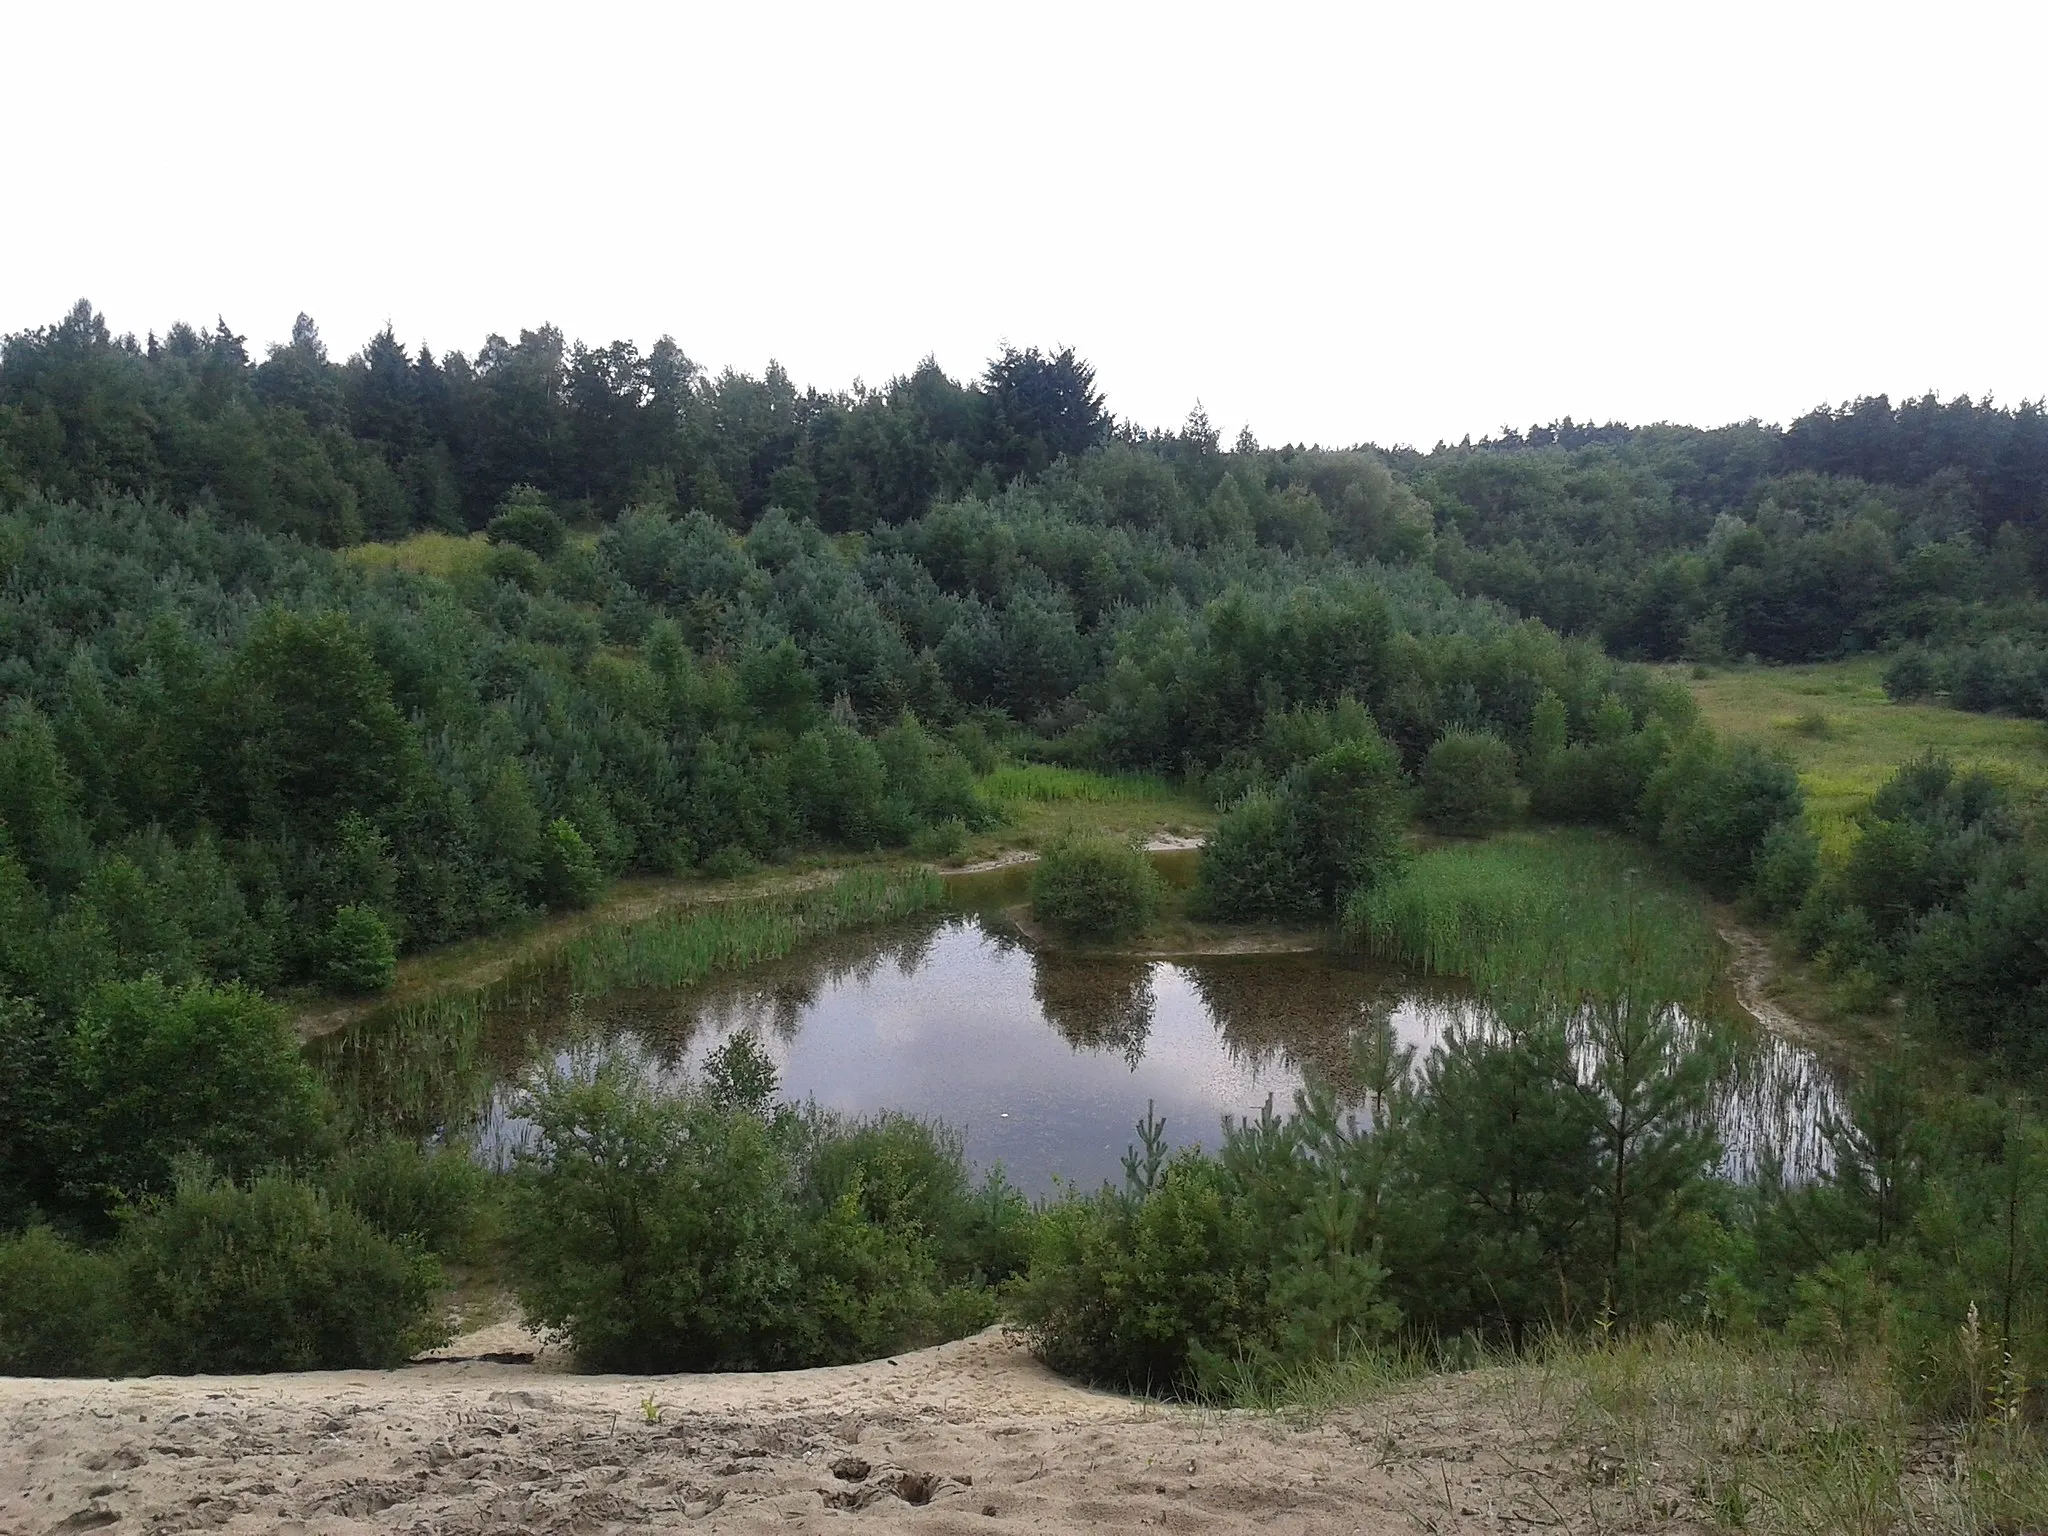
(688,944)
(1562,913)
(1049,784)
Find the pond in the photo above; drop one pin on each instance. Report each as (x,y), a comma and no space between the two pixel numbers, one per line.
(1042,1058)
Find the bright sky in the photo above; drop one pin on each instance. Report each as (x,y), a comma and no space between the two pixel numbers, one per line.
(1335,222)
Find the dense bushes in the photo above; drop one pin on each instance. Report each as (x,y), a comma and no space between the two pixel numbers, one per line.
(715,1230)
(1333,826)
(265,1276)
(1467,784)
(1091,887)
(1204,1269)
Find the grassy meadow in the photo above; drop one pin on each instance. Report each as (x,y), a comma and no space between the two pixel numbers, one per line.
(1846,737)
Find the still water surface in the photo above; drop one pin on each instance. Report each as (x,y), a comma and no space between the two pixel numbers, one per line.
(1041,1058)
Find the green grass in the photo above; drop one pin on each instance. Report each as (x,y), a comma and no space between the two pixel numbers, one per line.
(1047,784)
(1846,737)
(688,944)
(430,554)
(1766,1437)
(1556,911)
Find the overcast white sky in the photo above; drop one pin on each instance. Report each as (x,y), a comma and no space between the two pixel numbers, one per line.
(1334,222)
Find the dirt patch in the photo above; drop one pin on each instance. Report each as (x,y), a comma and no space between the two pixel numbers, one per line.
(1750,971)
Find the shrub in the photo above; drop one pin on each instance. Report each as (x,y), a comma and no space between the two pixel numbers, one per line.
(514,566)
(941,840)
(1911,674)
(525,521)
(437,1198)
(1333,827)
(358,954)
(1468,783)
(1094,887)
(1717,809)
(1205,1274)
(1787,865)
(212,1071)
(713,1231)
(1249,867)
(57,1308)
(1349,807)
(270,1276)
(569,876)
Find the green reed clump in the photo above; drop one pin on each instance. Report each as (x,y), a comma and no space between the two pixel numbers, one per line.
(1047,784)
(1554,912)
(688,944)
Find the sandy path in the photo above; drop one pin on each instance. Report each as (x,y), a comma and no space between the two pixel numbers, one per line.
(972,1436)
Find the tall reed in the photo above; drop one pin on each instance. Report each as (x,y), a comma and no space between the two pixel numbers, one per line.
(688,944)
(1049,784)
(1543,913)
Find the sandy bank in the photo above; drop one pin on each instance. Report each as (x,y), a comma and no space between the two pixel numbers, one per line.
(972,1436)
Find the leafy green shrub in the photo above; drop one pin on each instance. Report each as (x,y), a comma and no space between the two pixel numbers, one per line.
(712,1231)
(1786,867)
(1249,867)
(437,1198)
(270,1276)
(1093,887)
(159,1073)
(1467,784)
(359,953)
(1715,807)
(58,1308)
(516,567)
(1205,1273)
(569,876)
(1333,827)
(525,521)
(941,840)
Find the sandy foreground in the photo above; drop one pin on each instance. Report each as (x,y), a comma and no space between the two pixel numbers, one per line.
(972,1436)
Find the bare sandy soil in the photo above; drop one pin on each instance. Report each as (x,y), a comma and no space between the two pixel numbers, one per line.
(969,1437)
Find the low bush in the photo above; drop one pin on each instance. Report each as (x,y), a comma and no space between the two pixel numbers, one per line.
(437,1198)
(59,1309)
(1249,867)
(714,1230)
(1092,887)
(569,875)
(1467,784)
(526,521)
(1333,827)
(153,1073)
(1714,807)
(1205,1273)
(269,1276)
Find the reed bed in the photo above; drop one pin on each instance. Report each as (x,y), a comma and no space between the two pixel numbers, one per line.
(1048,784)
(1561,913)
(689,944)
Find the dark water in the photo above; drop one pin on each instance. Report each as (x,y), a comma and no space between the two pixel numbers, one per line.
(1042,1059)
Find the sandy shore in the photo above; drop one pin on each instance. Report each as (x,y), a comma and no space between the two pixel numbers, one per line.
(971,1436)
